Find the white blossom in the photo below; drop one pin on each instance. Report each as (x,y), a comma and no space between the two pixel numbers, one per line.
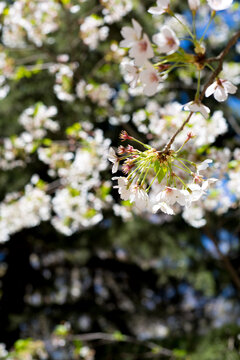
(193,4)
(131,35)
(166,40)
(141,51)
(162,7)
(114,159)
(196,106)
(123,187)
(217,5)
(132,74)
(150,80)
(140,197)
(164,207)
(220,89)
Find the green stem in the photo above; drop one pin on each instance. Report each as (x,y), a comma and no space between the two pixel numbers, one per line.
(184,26)
(198,85)
(181,180)
(210,67)
(138,141)
(179,167)
(209,22)
(153,180)
(194,24)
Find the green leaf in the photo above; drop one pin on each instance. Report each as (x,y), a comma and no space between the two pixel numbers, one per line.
(74,192)
(179,353)
(118,336)
(160,170)
(22,344)
(61,330)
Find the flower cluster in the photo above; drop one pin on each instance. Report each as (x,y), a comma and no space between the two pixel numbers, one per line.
(178,183)
(33,21)
(149,74)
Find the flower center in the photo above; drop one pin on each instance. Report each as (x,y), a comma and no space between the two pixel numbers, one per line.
(143,46)
(171,42)
(153,77)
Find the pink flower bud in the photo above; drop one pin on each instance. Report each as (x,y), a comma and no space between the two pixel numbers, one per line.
(124,136)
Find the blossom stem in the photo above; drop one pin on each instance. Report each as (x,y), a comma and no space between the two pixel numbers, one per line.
(185,185)
(138,141)
(181,162)
(194,23)
(153,180)
(179,167)
(143,170)
(208,24)
(183,25)
(210,67)
(198,85)
(190,162)
(145,175)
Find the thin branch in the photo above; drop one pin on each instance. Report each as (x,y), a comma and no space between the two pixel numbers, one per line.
(227,264)
(219,58)
(125,338)
(169,144)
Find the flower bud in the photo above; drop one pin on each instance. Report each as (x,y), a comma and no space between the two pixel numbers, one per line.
(193,5)
(124,136)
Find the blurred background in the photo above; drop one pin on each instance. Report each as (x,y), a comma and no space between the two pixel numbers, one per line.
(81,276)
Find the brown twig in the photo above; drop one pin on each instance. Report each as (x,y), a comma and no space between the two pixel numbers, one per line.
(228,266)
(219,58)
(124,338)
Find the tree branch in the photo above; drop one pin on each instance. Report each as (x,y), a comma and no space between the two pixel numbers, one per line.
(227,264)
(219,58)
(124,338)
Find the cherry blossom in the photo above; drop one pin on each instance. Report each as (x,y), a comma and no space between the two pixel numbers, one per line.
(114,159)
(162,7)
(123,187)
(140,197)
(150,79)
(196,106)
(170,196)
(165,208)
(131,35)
(217,5)
(133,74)
(193,4)
(220,89)
(166,40)
(141,51)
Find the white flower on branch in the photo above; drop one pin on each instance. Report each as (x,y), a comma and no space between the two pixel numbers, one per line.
(140,197)
(166,40)
(122,186)
(171,196)
(114,159)
(141,51)
(132,75)
(163,207)
(217,5)
(131,35)
(220,89)
(196,106)
(162,7)
(150,79)
(193,4)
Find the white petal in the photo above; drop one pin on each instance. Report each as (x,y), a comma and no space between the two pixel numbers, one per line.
(220,94)
(137,27)
(229,87)
(156,10)
(210,90)
(115,167)
(163,207)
